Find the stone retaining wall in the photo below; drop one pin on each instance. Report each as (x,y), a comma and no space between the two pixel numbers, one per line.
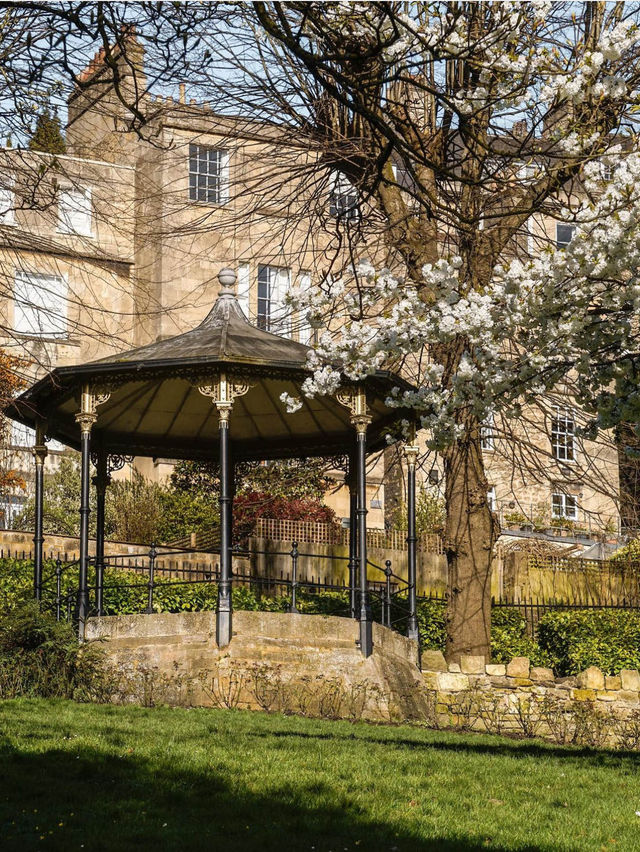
(590,708)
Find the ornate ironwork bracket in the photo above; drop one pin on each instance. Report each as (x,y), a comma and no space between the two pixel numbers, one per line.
(355,399)
(89,402)
(223,392)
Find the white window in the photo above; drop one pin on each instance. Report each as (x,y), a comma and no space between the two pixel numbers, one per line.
(307,333)
(25,436)
(563,430)
(22,436)
(564,234)
(7,206)
(75,214)
(11,506)
(208,174)
(344,198)
(564,506)
(40,304)
(273,286)
(486,433)
(244,286)
(607,171)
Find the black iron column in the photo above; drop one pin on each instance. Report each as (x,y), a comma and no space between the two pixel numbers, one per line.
(223,392)
(39,455)
(86,418)
(366,639)
(353,533)
(225,607)
(101,480)
(411,455)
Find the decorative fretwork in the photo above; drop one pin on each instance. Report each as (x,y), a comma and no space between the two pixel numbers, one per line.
(223,392)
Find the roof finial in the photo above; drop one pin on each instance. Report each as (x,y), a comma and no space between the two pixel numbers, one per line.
(227,279)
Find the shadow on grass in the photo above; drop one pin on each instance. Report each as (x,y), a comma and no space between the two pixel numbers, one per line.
(465,741)
(60,800)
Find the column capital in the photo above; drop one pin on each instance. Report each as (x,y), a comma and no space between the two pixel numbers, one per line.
(86,419)
(39,453)
(411,452)
(223,392)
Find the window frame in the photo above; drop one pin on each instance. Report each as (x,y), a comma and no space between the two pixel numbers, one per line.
(487,434)
(562,498)
(561,243)
(341,188)
(64,226)
(221,177)
(563,439)
(272,298)
(25,308)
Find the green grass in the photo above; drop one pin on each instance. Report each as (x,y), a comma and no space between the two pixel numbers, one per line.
(122,778)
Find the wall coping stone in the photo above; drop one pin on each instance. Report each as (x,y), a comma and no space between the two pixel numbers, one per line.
(470,664)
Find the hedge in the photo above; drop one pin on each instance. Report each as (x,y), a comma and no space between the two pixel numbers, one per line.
(569,641)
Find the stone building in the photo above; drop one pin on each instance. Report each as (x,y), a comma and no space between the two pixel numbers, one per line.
(119,242)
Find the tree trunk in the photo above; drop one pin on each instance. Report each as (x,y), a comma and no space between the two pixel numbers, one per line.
(470,533)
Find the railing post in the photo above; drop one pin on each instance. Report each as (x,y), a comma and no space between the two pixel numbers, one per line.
(387,597)
(411,455)
(58,587)
(294,576)
(101,480)
(152,568)
(353,534)
(39,455)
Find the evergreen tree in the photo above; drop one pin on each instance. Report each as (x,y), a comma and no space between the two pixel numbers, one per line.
(48,135)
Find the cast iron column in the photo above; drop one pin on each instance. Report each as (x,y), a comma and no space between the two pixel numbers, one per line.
(86,418)
(39,455)
(353,532)
(366,639)
(223,391)
(411,455)
(225,607)
(101,480)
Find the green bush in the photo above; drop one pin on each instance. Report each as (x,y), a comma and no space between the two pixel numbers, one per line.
(577,639)
(509,638)
(40,657)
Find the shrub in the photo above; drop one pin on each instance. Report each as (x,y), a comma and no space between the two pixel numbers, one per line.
(509,638)
(41,657)
(577,639)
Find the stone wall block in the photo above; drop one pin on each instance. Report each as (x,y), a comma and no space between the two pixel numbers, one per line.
(471,665)
(434,661)
(518,667)
(496,669)
(630,680)
(455,667)
(612,682)
(452,681)
(541,674)
(591,678)
(584,694)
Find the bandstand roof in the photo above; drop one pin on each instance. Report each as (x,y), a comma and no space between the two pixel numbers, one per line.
(155,408)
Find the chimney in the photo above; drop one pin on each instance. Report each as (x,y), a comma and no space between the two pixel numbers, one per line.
(183,92)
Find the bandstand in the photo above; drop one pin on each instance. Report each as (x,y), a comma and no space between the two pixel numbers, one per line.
(213,393)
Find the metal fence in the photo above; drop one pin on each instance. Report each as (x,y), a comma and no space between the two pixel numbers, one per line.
(386,589)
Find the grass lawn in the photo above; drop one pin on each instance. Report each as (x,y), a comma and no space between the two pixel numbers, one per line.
(77,776)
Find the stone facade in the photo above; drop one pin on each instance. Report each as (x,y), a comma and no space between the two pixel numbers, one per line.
(148,269)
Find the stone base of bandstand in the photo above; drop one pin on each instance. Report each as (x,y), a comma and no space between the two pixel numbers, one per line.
(275,661)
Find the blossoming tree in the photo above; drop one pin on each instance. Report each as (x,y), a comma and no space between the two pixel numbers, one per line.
(463,123)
